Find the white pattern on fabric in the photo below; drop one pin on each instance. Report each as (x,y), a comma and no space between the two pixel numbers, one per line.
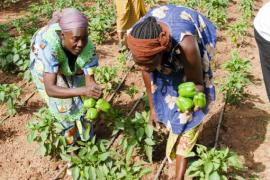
(160,12)
(184,118)
(170,101)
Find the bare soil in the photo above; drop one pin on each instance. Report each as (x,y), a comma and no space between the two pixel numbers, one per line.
(245,128)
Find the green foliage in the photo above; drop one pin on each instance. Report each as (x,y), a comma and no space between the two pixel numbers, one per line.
(246,7)
(14,56)
(215,10)
(238,30)
(213,164)
(8,3)
(237,64)
(132,90)
(151,3)
(137,133)
(233,86)
(9,94)
(102,18)
(107,76)
(94,161)
(45,130)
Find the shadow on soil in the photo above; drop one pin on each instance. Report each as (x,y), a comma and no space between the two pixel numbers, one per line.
(6,134)
(243,130)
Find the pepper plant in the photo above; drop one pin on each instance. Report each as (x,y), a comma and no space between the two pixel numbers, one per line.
(107,76)
(246,7)
(238,30)
(45,130)
(94,161)
(213,164)
(9,94)
(137,133)
(132,90)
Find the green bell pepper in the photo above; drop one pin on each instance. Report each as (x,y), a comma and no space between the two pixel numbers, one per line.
(199,100)
(103,105)
(187,89)
(91,114)
(89,103)
(184,104)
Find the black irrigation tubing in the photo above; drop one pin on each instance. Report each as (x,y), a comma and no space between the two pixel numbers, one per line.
(216,141)
(129,114)
(120,84)
(220,119)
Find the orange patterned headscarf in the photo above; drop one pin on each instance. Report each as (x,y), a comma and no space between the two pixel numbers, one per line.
(144,50)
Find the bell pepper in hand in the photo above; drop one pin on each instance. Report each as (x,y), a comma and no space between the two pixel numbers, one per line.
(199,100)
(91,114)
(184,104)
(103,105)
(89,103)
(187,89)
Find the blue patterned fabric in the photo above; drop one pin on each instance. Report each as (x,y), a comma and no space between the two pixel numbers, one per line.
(67,111)
(181,21)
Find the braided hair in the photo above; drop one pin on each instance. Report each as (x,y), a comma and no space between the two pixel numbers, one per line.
(147,29)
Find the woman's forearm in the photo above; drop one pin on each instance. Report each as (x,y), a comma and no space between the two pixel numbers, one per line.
(147,82)
(62,92)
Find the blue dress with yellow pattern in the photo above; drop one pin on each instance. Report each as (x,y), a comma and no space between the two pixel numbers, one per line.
(181,21)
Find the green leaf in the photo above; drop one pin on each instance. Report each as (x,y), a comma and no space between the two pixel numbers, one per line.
(140,133)
(149,142)
(129,152)
(76,160)
(92,173)
(214,176)
(224,177)
(65,157)
(31,136)
(72,149)
(86,171)
(149,130)
(208,167)
(144,172)
(104,156)
(75,173)
(149,152)
(42,150)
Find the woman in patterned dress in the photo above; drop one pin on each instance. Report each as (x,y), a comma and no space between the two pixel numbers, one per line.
(170,45)
(61,62)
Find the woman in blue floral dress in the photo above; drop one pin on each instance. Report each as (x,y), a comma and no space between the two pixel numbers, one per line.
(170,45)
(61,62)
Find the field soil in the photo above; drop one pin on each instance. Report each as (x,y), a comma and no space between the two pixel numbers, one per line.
(245,128)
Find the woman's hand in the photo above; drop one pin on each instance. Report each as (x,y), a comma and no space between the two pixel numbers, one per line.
(93,90)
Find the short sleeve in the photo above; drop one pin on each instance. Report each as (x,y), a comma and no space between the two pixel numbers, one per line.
(88,69)
(50,63)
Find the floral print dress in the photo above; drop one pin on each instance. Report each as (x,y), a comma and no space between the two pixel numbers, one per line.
(47,56)
(181,21)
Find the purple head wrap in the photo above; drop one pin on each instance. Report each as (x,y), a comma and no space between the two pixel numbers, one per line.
(69,18)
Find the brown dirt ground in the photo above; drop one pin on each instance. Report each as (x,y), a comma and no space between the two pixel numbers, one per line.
(245,128)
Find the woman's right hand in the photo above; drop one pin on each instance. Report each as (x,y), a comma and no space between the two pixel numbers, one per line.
(93,90)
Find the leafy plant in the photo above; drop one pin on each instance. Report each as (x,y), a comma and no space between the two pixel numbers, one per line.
(233,87)
(238,30)
(213,164)
(137,133)
(106,75)
(14,56)
(132,90)
(9,94)
(45,130)
(237,64)
(246,7)
(94,161)
(237,80)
